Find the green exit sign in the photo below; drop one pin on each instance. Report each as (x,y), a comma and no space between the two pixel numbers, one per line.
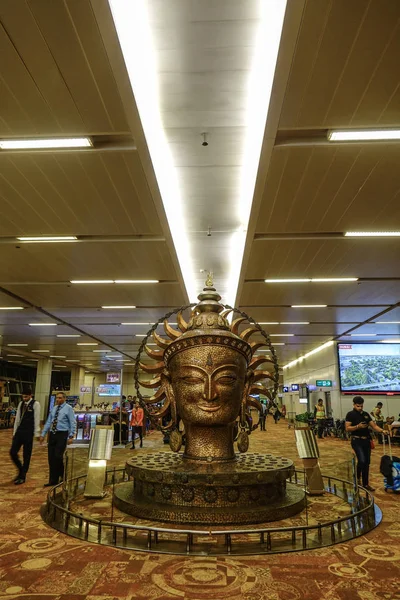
(324,383)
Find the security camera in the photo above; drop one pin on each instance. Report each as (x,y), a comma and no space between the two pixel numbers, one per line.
(204,136)
(204,144)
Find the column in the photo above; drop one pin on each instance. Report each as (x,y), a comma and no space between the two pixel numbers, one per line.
(77,381)
(43,383)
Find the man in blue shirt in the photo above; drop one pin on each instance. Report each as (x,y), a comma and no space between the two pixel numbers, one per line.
(61,424)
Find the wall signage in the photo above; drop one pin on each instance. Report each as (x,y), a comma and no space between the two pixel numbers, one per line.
(294,387)
(85,389)
(285,389)
(324,383)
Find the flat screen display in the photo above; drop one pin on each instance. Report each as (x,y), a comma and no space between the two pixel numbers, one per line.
(369,368)
(109,389)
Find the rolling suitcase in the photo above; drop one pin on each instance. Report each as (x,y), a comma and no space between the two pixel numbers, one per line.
(392,462)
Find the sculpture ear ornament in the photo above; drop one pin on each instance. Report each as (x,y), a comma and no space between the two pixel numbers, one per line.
(243,436)
(175,440)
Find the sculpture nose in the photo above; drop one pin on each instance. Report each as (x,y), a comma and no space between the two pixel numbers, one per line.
(208,393)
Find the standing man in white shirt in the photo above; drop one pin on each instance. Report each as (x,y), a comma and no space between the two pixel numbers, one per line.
(26,427)
(61,424)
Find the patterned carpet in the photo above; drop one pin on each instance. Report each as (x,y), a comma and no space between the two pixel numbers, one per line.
(39,563)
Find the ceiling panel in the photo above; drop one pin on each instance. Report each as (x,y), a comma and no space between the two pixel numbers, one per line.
(345,68)
(75,193)
(80,261)
(302,258)
(322,293)
(331,188)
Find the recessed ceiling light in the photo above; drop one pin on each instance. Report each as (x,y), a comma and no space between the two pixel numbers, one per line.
(367,135)
(87,344)
(136,281)
(72,360)
(17,345)
(362,334)
(114,356)
(372,234)
(39,144)
(281,334)
(140,335)
(277,344)
(268,323)
(295,323)
(67,335)
(102,350)
(314,280)
(42,324)
(40,350)
(57,356)
(61,366)
(11,308)
(14,355)
(47,239)
(92,281)
(379,322)
(394,341)
(309,305)
(118,306)
(136,323)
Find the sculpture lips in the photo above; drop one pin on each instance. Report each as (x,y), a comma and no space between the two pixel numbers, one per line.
(209,408)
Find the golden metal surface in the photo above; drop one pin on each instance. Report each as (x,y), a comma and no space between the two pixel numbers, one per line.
(205,374)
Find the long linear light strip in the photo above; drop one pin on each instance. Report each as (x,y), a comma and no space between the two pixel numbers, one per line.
(133,28)
(309,305)
(39,144)
(39,239)
(259,89)
(354,135)
(295,362)
(314,280)
(99,281)
(372,234)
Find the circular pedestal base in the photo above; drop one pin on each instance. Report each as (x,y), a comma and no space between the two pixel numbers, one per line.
(290,504)
(250,489)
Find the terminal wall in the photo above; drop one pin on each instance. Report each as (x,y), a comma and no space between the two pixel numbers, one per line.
(324,365)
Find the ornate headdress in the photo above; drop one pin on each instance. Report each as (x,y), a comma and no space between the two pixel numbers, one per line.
(207,326)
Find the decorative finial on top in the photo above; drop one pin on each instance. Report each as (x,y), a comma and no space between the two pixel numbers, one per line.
(209,280)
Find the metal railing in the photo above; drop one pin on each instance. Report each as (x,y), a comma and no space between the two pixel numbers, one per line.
(363,516)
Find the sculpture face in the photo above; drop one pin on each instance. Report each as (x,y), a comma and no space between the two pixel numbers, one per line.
(208,385)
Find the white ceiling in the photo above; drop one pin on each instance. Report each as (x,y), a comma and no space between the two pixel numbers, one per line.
(62,73)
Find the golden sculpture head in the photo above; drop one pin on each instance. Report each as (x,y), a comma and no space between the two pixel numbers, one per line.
(205,377)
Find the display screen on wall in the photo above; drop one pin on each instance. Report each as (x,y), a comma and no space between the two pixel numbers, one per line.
(369,368)
(113,377)
(108,389)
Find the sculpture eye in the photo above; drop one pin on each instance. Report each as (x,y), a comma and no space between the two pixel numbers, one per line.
(226,379)
(192,379)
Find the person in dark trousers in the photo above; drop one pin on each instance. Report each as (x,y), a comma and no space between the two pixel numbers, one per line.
(61,426)
(276,413)
(357,424)
(26,427)
(137,417)
(262,416)
(319,415)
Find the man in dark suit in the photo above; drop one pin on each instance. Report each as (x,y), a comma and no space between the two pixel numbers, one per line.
(26,427)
